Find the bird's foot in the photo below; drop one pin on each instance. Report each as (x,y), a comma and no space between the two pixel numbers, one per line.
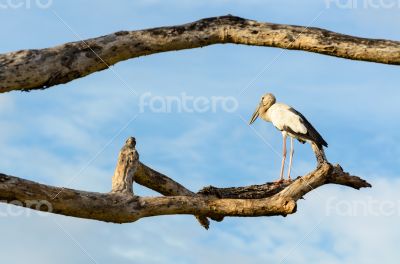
(281,180)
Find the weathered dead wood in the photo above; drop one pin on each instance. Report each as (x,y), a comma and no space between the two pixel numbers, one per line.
(39,69)
(128,162)
(164,185)
(123,207)
(296,189)
(247,192)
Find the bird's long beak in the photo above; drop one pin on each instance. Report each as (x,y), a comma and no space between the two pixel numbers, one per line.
(255,115)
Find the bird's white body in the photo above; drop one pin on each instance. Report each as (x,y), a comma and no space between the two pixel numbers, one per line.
(291,123)
(282,117)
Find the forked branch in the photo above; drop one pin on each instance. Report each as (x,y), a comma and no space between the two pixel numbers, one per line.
(122,206)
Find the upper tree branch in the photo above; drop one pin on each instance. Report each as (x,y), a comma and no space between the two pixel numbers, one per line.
(39,69)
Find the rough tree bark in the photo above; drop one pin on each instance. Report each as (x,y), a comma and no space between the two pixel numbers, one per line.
(39,69)
(127,171)
(122,206)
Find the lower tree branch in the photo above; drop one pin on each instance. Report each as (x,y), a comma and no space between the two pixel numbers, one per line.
(160,183)
(247,192)
(121,206)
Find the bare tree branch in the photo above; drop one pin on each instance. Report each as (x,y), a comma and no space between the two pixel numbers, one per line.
(121,206)
(160,183)
(129,169)
(39,69)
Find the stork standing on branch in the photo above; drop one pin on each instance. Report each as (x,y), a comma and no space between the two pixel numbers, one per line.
(290,122)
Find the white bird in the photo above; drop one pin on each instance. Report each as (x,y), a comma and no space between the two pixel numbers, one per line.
(290,122)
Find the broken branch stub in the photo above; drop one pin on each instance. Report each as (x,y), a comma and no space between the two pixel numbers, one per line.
(127,165)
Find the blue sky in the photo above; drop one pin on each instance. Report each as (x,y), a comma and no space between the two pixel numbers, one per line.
(70,136)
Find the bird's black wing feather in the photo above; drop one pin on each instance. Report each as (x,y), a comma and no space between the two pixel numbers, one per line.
(312,133)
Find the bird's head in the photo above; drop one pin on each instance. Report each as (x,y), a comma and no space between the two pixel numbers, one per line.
(267,100)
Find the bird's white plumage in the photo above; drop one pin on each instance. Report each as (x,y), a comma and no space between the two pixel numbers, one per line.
(289,122)
(280,116)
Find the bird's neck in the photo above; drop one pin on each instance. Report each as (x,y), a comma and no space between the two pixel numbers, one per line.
(265,114)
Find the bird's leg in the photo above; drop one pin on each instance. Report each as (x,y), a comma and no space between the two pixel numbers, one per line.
(291,157)
(283,156)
